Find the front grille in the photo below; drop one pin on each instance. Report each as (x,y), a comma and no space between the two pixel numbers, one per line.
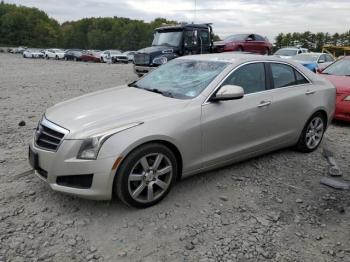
(122,57)
(141,59)
(48,135)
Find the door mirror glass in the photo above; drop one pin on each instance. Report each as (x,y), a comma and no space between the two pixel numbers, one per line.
(229,92)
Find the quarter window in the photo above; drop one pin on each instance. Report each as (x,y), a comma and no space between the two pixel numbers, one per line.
(329,58)
(250,77)
(284,75)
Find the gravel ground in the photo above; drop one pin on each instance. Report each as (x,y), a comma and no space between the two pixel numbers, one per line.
(270,208)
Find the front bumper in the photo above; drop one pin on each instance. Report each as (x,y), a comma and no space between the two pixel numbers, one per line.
(342,110)
(52,166)
(142,70)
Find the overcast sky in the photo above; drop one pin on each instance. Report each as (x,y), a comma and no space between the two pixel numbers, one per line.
(266,17)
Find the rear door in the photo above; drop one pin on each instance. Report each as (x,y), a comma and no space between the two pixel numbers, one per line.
(237,128)
(292,95)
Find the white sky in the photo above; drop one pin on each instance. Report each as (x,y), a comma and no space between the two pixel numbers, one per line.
(266,17)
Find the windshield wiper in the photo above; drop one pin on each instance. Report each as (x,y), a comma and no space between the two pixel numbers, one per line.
(164,93)
(133,84)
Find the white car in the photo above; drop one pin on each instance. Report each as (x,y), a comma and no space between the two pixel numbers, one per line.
(125,57)
(54,53)
(289,52)
(106,56)
(33,53)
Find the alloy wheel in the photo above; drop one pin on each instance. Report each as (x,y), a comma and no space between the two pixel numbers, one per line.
(150,177)
(314,132)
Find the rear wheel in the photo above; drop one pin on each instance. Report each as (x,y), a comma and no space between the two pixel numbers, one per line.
(312,133)
(146,175)
(267,51)
(56,57)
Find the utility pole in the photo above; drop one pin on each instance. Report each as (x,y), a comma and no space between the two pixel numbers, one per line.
(195,10)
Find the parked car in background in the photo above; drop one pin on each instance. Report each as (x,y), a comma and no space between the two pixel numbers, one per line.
(339,74)
(130,55)
(289,52)
(192,114)
(244,42)
(91,56)
(107,55)
(314,61)
(54,53)
(125,57)
(73,54)
(33,53)
(17,50)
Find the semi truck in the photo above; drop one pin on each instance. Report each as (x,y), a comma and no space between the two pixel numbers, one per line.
(172,41)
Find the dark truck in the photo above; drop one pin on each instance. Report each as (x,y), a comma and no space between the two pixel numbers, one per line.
(173,41)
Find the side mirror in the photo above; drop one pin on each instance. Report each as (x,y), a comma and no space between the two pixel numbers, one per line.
(228,92)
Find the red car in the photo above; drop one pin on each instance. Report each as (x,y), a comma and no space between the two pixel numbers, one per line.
(93,56)
(339,74)
(244,42)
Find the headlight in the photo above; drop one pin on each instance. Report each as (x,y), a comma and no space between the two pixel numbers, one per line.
(91,146)
(347,98)
(168,51)
(160,60)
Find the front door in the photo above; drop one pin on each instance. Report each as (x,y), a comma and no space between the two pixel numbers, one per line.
(236,128)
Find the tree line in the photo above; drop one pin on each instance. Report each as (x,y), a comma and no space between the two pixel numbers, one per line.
(312,41)
(32,27)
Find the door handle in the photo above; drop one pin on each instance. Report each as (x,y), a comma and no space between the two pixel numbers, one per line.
(309,92)
(264,103)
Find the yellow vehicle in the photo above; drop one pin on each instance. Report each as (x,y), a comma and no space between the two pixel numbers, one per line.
(336,50)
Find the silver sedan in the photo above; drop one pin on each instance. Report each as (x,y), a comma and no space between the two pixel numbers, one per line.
(190,115)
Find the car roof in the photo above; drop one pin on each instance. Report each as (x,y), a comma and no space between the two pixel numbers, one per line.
(181,26)
(232,57)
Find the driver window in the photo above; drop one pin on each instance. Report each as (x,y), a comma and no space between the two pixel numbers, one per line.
(189,38)
(250,77)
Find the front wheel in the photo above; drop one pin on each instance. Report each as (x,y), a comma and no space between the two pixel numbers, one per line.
(312,134)
(146,175)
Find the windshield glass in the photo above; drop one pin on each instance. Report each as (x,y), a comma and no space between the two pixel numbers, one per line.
(286,52)
(167,38)
(239,37)
(182,78)
(339,68)
(306,58)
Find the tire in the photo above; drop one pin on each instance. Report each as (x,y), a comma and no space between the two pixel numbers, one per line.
(312,131)
(267,51)
(240,49)
(24,56)
(139,175)
(56,57)
(47,57)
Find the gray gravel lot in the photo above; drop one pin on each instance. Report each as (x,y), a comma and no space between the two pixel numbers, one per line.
(270,208)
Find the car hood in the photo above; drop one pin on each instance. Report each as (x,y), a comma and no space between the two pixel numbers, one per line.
(305,62)
(156,49)
(342,83)
(111,108)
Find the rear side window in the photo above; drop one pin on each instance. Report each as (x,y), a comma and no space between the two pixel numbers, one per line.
(250,77)
(259,38)
(329,58)
(285,75)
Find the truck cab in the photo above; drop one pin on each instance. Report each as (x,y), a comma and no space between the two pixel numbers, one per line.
(173,41)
